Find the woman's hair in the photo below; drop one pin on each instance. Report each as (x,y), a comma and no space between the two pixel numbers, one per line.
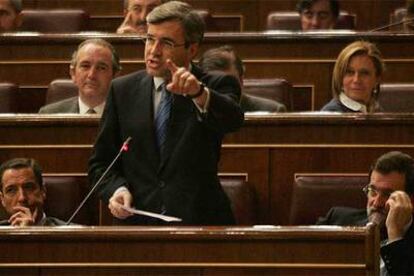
(355,49)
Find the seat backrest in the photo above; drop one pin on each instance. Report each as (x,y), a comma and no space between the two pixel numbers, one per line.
(9,94)
(64,193)
(290,20)
(276,89)
(397,97)
(241,195)
(314,194)
(61,89)
(242,199)
(55,21)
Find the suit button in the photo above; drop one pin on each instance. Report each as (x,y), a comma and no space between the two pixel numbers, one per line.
(162,184)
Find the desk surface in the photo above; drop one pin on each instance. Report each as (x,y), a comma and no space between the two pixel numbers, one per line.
(349,250)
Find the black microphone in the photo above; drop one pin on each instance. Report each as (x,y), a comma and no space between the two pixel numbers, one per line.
(121,150)
(391,25)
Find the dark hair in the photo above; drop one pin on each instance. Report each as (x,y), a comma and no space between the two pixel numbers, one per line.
(191,22)
(303,5)
(410,7)
(16,5)
(216,59)
(22,163)
(395,161)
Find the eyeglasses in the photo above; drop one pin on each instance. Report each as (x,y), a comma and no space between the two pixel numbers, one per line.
(162,42)
(371,191)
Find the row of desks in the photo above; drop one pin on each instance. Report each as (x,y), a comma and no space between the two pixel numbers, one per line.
(189,251)
(269,150)
(370,13)
(304,59)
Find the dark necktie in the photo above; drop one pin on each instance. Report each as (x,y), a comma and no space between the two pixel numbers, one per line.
(91,111)
(161,120)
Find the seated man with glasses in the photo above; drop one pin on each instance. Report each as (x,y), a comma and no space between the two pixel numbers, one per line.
(389,194)
(318,14)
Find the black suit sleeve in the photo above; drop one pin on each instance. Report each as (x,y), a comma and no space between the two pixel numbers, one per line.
(398,256)
(224,112)
(105,149)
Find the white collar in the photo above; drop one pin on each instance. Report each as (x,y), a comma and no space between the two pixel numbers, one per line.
(351,104)
(83,108)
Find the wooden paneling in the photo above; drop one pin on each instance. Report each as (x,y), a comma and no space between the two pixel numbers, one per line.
(190,251)
(302,59)
(268,149)
(370,13)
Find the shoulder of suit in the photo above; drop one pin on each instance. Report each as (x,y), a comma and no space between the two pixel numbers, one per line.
(131,76)
(60,106)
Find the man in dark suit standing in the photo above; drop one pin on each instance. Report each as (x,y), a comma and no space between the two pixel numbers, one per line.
(22,194)
(389,205)
(177,116)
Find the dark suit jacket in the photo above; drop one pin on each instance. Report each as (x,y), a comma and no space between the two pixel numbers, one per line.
(48,221)
(184,183)
(398,256)
(70,105)
(252,103)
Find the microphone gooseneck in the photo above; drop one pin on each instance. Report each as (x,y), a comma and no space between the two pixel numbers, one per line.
(392,25)
(124,148)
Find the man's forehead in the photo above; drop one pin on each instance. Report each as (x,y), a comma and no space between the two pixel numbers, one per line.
(144,2)
(19,174)
(94,50)
(393,180)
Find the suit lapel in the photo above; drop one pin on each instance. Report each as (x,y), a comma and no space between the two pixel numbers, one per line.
(143,116)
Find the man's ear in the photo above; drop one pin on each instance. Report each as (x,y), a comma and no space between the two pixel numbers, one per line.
(72,72)
(43,188)
(193,50)
(19,20)
(2,198)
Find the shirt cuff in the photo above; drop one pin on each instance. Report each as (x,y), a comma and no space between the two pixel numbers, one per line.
(120,189)
(203,109)
(406,227)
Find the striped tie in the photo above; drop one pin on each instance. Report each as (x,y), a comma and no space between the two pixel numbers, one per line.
(161,120)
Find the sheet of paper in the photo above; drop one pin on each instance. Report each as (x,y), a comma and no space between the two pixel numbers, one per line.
(150,214)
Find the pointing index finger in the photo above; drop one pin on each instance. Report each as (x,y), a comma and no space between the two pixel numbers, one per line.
(171,66)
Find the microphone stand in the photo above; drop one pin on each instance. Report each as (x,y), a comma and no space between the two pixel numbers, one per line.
(123,148)
(391,25)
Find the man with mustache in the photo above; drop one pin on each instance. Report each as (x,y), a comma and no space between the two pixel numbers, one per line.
(23,194)
(94,64)
(135,13)
(389,205)
(177,116)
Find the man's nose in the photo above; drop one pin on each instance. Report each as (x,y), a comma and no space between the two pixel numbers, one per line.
(156,48)
(379,201)
(315,21)
(21,195)
(92,72)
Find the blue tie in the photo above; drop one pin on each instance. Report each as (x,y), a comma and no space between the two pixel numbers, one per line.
(161,120)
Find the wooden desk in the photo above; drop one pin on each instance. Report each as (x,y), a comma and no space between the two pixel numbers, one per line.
(269,149)
(304,59)
(189,251)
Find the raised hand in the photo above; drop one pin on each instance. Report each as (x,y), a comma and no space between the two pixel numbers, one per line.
(23,216)
(399,214)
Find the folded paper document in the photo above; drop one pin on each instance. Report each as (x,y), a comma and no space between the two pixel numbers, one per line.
(150,214)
